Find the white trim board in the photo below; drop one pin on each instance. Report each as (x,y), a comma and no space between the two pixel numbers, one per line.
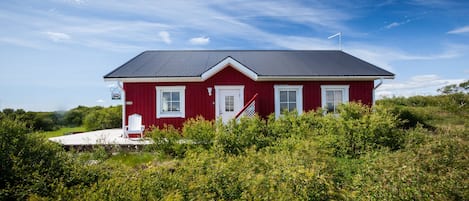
(257,78)
(225,63)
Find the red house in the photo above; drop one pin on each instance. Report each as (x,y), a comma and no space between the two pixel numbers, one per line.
(168,87)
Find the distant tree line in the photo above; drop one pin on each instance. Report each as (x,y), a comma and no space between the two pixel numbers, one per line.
(92,118)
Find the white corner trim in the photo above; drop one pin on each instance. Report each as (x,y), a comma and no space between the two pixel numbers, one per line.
(299,97)
(223,64)
(182,97)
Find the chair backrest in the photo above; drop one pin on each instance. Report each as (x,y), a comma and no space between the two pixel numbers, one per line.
(135,122)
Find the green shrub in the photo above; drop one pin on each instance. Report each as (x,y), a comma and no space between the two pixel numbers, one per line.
(168,140)
(436,169)
(238,135)
(103,118)
(30,165)
(200,131)
(357,129)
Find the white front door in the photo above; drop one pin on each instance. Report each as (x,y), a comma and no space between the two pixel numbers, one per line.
(229,101)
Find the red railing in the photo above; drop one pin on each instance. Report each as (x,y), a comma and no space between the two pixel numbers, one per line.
(248,105)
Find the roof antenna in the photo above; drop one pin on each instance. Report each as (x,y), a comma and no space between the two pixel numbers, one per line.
(340,39)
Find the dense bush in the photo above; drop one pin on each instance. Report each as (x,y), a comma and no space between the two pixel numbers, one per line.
(36,121)
(357,130)
(30,165)
(238,135)
(103,118)
(434,170)
(168,140)
(359,154)
(76,116)
(199,131)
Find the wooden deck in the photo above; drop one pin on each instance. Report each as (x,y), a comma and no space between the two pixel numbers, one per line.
(107,138)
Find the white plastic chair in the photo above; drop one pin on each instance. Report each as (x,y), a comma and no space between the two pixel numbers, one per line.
(134,126)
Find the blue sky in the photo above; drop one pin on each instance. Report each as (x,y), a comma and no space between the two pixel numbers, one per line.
(54,53)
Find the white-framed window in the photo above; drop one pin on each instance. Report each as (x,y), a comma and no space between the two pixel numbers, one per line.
(170,101)
(288,98)
(333,96)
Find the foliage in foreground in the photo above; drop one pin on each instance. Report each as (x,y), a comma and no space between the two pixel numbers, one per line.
(294,157)
(92,118)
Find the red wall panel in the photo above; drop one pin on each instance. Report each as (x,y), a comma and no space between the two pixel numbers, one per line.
(198,102)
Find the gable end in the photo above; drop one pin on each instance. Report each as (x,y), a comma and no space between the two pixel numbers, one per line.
(228,61)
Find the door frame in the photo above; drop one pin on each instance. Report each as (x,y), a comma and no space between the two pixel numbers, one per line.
(219,88)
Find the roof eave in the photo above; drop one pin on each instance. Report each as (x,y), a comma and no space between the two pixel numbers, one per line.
(322,78)
(259,78)
(155,79)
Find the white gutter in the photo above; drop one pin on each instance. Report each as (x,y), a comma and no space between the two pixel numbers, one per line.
(374,88)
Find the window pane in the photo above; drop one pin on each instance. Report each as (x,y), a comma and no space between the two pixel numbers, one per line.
(283,96)
(166,96)
(283,107)
(165,106)
(334,97)
(329,96)
(229,103)
(291,96)
(291,106)
(175,96)
(330,107)
(175,106)
(338,96)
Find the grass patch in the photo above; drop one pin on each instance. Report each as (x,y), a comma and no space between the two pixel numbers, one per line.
(133,159)
(62,131)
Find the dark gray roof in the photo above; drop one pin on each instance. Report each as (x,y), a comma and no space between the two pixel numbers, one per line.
(193,63)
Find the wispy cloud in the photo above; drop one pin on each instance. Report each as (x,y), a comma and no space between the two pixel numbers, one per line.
(165,36)
(385,56)
(416,85)
(199,40)
(460,30)
(403,22)
(57,36)
(394,24)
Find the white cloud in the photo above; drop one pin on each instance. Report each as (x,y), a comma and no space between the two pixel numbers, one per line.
(199,40)
(394,24)
(416,85)
(385,56)
(57,36)
(460,30)
(100,101)
(165,37)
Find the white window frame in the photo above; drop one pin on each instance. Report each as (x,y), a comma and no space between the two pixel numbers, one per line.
(299,97)
(182,99)
(343,88)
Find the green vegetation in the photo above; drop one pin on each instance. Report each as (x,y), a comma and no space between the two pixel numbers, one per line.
(403,149)
(62,131)
(78,119)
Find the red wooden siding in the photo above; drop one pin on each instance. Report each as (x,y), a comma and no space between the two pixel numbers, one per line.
(198,102)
